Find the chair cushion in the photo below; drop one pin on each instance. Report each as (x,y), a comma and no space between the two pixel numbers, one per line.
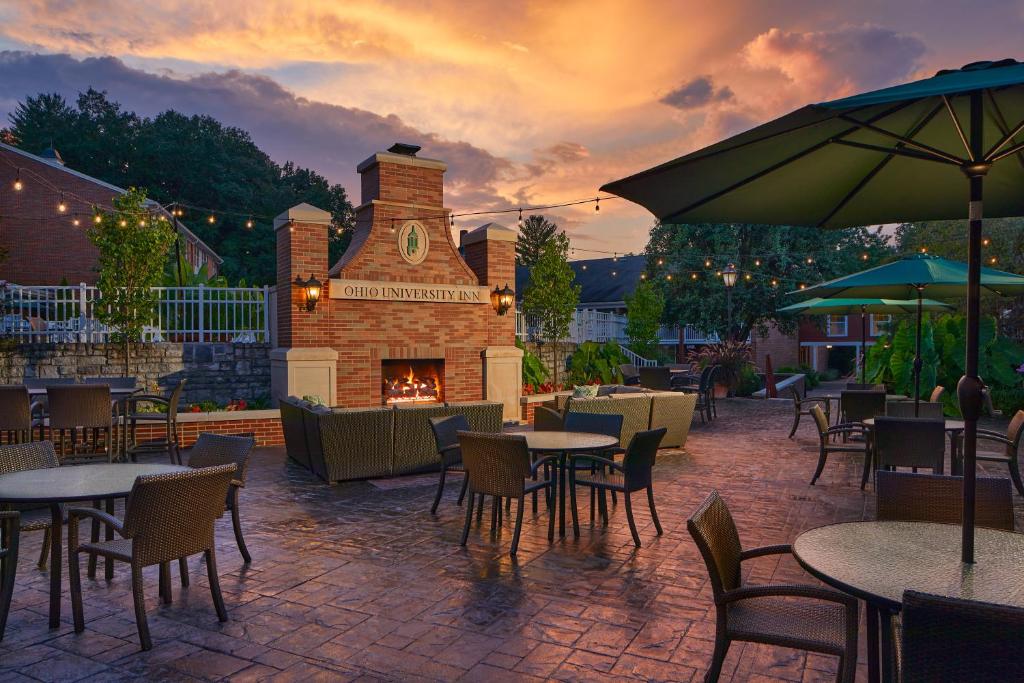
(804,624)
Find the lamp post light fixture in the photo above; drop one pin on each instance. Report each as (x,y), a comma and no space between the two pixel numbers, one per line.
(311,289)
(729,280)
(502,299)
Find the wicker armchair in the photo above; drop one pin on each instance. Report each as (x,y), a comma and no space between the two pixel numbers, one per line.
(948,639)
(658,378)
(81,424)
(912,497)
(925,409)
(16,411)
(133,415)
(167,516)
(608,424)
(211,450)
(857,386)
(825,621)
(910,442)
(802,406)
(1011,443)
(633,474)
(705,390)
(113,382)
(630,374)
(827,446)
(9,533)
(857,405)
(547,419)
(498,465)
(37,455)
(446,436)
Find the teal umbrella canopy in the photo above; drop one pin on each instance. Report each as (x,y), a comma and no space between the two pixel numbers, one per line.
(940,278)
(889,156)
(841,306)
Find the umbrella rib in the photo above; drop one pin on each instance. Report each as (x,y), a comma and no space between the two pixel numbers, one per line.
(920,156)
(1011,151)
(874,171)
(909,143)
(1004,127)
(772,168)
(956,124)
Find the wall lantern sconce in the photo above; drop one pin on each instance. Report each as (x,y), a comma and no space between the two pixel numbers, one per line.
(311,289)
(502,299)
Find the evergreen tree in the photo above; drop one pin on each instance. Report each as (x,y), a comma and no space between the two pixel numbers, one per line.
(644,308)
(536,232)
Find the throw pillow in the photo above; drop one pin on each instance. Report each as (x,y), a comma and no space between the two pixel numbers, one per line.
(584,391)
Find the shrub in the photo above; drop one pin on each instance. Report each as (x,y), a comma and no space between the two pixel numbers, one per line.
(811,376)
(597,362)
(749,382)
(534,371)
(730,356)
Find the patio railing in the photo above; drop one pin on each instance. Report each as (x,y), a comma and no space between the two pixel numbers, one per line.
(601,326)
(68,313)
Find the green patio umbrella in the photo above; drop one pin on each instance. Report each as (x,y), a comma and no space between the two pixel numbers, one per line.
(843,306)
(914,152)
(913,277)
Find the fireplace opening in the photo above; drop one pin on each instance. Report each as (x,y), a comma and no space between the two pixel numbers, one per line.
(412,381)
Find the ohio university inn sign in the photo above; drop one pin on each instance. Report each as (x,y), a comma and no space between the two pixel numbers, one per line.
(375,290)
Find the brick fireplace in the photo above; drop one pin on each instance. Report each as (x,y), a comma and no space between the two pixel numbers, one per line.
(400,298)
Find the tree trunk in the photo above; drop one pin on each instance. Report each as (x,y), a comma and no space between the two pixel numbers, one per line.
(127,355)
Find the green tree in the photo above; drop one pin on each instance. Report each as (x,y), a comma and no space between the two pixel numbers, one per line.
(644,309)
(552,295)
(686,261)
(133,247)
(194,160)
(536,232)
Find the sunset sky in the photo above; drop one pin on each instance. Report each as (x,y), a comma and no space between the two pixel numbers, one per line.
(528,102)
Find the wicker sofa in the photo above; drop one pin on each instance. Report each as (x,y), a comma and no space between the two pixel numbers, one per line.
(342,444)
(641,410)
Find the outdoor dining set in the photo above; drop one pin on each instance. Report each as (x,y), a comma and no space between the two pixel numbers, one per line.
(67,457)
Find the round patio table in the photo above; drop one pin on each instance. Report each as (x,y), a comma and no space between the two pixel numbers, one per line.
(562,444)
(877,561)
(954,428)
(72,484)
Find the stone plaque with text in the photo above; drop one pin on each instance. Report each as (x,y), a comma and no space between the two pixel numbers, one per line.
(375,290)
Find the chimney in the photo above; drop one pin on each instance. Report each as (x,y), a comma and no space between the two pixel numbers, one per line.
(51,156)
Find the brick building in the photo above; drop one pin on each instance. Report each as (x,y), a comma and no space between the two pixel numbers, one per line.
(44,245)
(402,303)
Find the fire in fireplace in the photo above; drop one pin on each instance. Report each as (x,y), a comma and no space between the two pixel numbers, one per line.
(412,381)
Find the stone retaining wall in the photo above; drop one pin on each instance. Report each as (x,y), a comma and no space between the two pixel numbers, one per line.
(215,372)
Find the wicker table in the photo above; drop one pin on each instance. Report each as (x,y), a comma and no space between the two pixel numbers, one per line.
(71,484)
(877,561)
(954,428)
(563,443)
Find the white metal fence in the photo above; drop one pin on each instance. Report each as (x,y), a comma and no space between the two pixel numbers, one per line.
(67,314)
(601,326)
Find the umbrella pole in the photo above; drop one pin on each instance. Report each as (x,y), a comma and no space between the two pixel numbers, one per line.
(917,357)
(969,389)
(863,350)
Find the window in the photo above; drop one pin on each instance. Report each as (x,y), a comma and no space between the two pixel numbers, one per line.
(879,323)
(835,326)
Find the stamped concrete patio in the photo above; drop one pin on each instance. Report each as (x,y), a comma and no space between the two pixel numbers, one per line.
(360,582)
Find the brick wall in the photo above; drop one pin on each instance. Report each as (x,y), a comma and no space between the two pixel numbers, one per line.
(783,348)
(396,189)
(215,372)
(267,430)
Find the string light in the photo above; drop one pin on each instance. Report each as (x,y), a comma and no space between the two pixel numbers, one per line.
(62,206)
(810,260)
(584,266)
(17,181)
(614,273)
(615,257)
(97,219)
(597,205)
(924,250)
(992,260)
(123,223)
(985,242)
(669,276)
(211,219)
(142,223)
(520,219)
(747,276)
(757,262)
(864,257)
(775,283)
(75,222)
(707,263)
(803,286)
(661,262)
(248,224)
(643,276)
(693,276)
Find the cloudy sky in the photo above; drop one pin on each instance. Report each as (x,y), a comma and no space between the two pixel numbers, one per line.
(529,102)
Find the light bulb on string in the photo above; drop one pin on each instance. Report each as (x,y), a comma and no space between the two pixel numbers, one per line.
(75,222)
(614,273)
(693,276)
(97,219)
(803,286)
(123,223)
(597,205)
(211,219)
(643,276)
(985,242)
(747,276)
(661,262)
(924,250)
(775,282)
(615,257)
(863,257)
(992,260)
(707,263)
(248,224)
(62,206)
(810,260)
(757,262)
(18,185)
(142,224)
(520,219)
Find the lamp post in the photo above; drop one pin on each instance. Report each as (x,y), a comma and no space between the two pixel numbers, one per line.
(729,280)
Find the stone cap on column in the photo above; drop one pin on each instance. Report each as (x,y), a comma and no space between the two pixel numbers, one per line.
(494,232)
(303,213)
(401,159)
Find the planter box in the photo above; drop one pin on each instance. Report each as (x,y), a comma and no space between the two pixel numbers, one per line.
(265,424)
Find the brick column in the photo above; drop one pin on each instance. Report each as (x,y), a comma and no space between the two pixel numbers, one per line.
(303,364)
(490,251)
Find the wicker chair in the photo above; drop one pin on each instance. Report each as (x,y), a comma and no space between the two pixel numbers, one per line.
(912,497)
(856,386)
(658,378)
(16,410)
(633,474)
(37,455)
(630,374)
(446,436)
(826,621)
(9,534)
(608,424)
(952,640)
(113,382)
(498,465)
(857,405)
(167,516)
(81,424)
(211,450)
(802,406)
(937,393)
(547,420)
(43,382)
(827,446)
(909,442)
(168,443)
(1011,443)
(705,390)
(926,409)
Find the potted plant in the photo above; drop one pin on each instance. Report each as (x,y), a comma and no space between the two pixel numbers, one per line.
(731,357)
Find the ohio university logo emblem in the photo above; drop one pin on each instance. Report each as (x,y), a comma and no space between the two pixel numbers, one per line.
(413,242)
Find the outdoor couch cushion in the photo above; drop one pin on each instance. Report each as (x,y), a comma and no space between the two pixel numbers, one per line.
(294,430)
(635,411)
(674,412)
(357,443)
